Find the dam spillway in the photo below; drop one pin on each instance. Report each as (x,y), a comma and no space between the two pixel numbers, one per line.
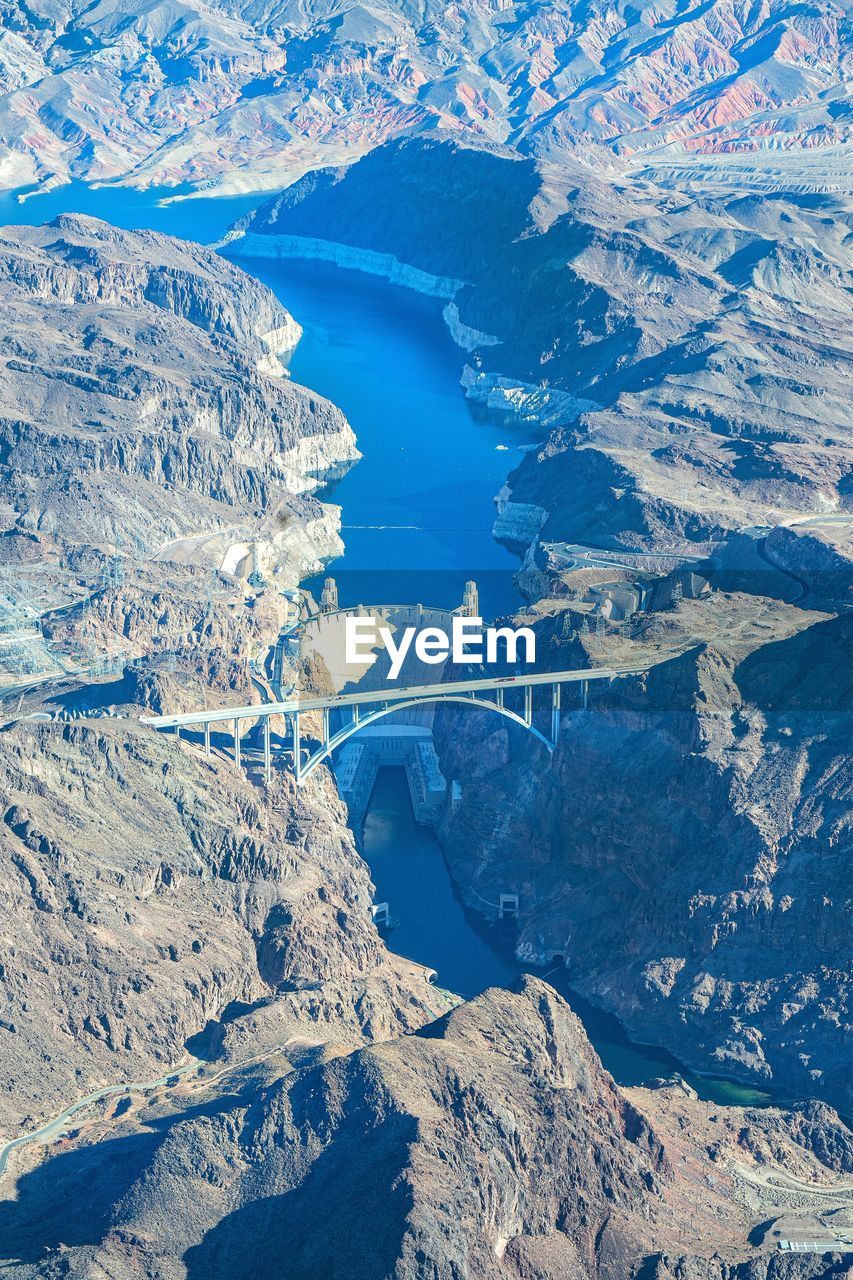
(408,746)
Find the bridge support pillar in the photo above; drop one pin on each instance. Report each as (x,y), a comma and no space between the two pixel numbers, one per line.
(585,692)
(326,733)
(500,698)
(555,713)
(267,752)
(207,738)
(237,755)
(528,704)
(297,749)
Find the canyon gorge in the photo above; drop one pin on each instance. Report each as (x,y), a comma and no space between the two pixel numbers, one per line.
(681,423)
(625,232)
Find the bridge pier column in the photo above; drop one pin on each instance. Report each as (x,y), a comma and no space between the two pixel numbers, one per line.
(500,698)
(585,692)
(207,738)
(237,754)
(528,704)
(326,727)
(267,752)
(555,713)
(297,749)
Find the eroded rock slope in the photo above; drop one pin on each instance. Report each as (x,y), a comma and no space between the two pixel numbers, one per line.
(687,850)
(685,355)
(143,408)
(493,1143)
(145,889)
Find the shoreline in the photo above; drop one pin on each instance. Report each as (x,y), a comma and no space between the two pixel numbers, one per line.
(283,248)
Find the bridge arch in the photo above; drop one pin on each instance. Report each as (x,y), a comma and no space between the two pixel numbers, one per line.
(352,727)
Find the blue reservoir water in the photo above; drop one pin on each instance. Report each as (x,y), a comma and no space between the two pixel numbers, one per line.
(419,507)
(202,220)
(417,515)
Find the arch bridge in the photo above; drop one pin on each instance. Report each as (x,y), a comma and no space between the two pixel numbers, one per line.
(509,696)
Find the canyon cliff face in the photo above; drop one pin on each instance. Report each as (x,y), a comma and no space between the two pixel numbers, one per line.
(146,889)
(493,1142)
(143,409)
(153,457)
(686,851)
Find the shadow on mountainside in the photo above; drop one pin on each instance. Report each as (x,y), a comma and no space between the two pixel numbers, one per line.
(346,1219)
(70,1199)
(809,672)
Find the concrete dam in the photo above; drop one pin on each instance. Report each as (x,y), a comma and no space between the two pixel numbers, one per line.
(403,738)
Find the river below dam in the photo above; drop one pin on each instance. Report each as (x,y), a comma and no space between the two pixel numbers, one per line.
(417,513)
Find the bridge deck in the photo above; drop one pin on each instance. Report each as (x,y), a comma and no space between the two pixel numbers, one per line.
(424,692)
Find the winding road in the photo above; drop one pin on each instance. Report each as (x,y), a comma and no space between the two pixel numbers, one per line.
(57,1124)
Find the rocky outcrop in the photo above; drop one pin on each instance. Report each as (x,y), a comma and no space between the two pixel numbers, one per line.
(146,889)
(179,638)
(659,343)
(147,367)
(150,444)
(517,522)
(455,1174)
(686,851)
(492,1142)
